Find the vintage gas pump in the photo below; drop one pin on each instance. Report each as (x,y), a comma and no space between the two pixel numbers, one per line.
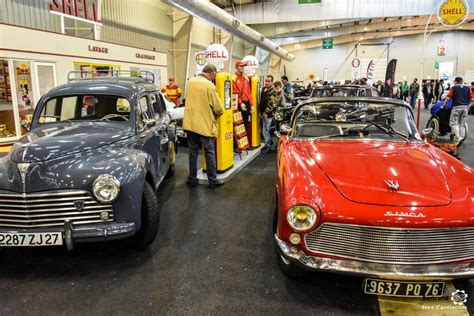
(225,137)
(254,132)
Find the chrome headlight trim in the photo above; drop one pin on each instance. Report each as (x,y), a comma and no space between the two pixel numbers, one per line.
(106,182)
(295,219)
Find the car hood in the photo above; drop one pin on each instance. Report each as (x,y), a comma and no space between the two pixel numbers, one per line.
(361,172)
(50,142)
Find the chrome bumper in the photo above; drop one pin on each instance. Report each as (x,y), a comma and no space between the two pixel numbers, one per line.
(380,270)
(84,233)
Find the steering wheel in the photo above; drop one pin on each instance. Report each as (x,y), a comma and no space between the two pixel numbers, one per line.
(113,115)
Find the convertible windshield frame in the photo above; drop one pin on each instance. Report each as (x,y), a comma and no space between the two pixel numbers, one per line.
(409,134)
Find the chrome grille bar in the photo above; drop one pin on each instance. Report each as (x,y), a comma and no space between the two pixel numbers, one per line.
(50,209)
(392,245)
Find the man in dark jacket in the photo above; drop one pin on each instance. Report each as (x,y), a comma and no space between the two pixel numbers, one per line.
(460,95)
(414,90)
(427,93)
(266,108)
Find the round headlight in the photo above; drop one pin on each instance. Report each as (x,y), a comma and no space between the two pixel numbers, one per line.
(106,188)
(301,217)
(341,117)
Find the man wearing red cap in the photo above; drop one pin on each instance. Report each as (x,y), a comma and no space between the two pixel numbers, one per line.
(241,86)
(173,91)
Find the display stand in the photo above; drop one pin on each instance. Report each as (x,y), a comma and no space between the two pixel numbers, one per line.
(240,134)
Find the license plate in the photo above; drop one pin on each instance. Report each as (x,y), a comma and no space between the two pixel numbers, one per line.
(30,240)
(403,289)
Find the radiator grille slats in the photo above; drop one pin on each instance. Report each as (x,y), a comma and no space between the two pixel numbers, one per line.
(50,209)
(392,245)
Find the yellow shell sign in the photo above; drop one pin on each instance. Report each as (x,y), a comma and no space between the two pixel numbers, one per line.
(453,12)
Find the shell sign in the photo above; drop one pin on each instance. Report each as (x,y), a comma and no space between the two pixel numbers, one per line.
(251,65)
(453,12)
(216,54)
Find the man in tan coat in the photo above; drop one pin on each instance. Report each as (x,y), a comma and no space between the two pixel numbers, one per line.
(203,107)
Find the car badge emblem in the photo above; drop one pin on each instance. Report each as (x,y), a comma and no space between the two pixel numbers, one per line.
(392,185)
(23,168)
(405,214)
(79,205)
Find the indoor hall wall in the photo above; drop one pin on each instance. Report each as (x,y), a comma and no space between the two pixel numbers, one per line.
(406,49)
(141,23)
(29,13)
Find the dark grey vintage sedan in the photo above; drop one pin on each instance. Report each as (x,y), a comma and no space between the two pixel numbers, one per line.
(88,170)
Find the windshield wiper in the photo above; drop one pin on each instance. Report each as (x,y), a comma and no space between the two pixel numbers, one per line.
(387,129)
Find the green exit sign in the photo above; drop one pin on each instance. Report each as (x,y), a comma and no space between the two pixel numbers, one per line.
(328,43)
(436,64)
(308,1)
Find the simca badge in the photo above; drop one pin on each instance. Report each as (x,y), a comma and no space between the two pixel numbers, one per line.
(393,185)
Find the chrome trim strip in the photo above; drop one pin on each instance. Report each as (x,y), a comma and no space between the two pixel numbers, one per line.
(420,272)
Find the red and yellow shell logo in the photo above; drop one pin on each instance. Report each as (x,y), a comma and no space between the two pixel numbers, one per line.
(452,12)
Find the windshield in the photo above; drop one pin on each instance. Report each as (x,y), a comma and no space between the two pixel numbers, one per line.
(338,92)
(353,119)
(85,108)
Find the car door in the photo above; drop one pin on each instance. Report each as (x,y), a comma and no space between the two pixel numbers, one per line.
(162,121)
(148,131)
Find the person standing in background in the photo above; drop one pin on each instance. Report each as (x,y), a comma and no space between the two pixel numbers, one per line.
(405,90)
(439,89)
(414,90)
(266,108)
(427,93)
(203,107)
(173,91)
(287,89)
(241,87)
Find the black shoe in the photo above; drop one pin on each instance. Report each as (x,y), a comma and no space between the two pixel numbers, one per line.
(265,150)
(191,183)
(215,185)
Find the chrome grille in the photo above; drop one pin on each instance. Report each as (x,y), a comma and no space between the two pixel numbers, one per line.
(49,209)
(392,245)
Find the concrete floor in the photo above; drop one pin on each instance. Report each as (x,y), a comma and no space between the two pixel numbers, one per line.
(213,255)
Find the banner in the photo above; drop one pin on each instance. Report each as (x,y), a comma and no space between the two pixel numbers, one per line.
(356,64)
(446,70)
(390,78)
(370,72)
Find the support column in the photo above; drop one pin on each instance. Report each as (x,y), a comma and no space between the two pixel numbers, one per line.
(182,27)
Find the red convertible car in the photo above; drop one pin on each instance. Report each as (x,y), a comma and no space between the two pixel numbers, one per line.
(359,192)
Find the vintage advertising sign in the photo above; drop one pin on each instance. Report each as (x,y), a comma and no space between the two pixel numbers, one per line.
(216,54)
(356,67)
(200,58)
(251,65)
(441,49)
(453,12)
(84,10)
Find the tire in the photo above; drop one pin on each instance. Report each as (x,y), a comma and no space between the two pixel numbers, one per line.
(433,123)
(170,172)
(288,268)
(150,220)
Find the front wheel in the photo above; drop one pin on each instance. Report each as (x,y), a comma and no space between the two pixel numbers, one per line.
(150,220)
(433,124)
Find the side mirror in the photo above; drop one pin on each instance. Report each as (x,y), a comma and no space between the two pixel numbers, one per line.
(26,125)
(427,133)
(150,122)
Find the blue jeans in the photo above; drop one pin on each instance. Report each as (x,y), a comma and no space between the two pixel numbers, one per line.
(413,99)
(266,123)
(195,141)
